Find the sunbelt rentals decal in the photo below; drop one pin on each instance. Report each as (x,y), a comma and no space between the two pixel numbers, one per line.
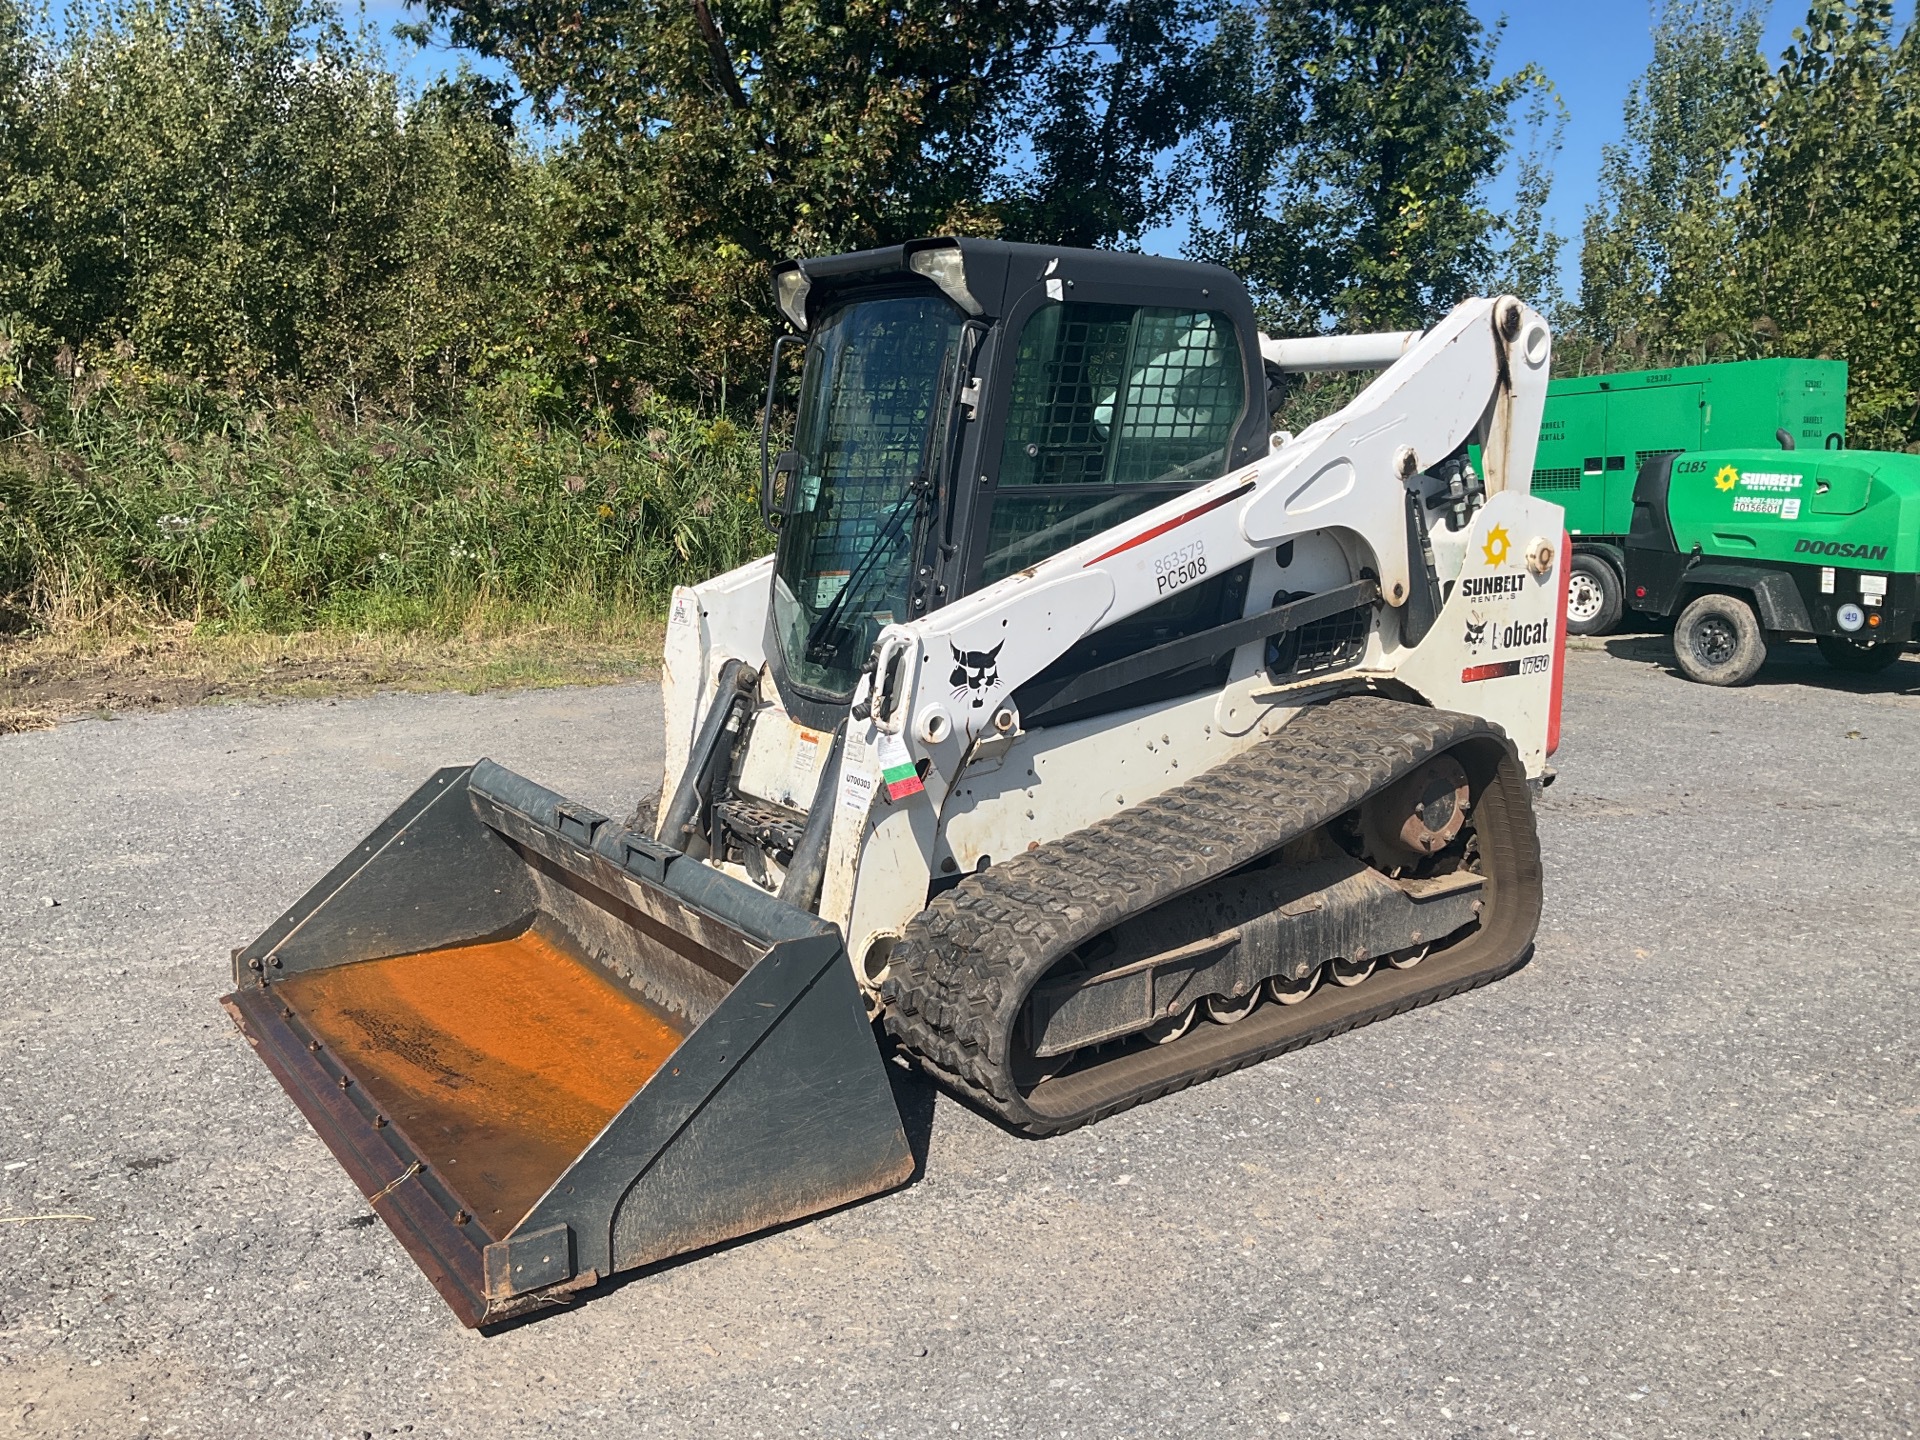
(1754,492)
(1490,630)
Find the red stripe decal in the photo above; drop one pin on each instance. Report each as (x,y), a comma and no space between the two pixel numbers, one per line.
(1174,524)
(1559,649)
(1497,670)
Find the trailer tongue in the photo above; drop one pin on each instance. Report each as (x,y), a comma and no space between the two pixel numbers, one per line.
(548,1049)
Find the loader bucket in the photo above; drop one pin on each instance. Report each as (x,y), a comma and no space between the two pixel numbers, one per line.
(548,1049)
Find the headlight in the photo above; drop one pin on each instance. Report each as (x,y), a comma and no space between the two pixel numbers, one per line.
(945,267)
(791,287)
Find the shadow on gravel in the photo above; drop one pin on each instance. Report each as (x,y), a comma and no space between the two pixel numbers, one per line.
(1790,662)
(915,1094)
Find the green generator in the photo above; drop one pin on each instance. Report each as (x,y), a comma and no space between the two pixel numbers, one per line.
(1599,430)
(1748,545)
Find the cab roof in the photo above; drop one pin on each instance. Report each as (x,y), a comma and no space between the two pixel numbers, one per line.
(998,272)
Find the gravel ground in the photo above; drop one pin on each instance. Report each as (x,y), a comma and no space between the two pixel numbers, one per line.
(1658,1183)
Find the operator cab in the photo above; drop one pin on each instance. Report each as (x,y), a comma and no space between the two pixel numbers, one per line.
(968,408)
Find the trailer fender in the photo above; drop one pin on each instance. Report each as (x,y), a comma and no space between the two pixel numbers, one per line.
(1775,596)
(1611,553)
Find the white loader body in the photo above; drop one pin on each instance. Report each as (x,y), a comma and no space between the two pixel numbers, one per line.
(1324,510)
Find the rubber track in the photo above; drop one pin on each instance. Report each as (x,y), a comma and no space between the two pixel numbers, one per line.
(966,963)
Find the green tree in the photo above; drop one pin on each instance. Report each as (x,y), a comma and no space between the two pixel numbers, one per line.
(20,64)
(716,136)
(1357,159)
(773,124)
(451,292)
(237,192)
(623,301)
(1658,261)
(217,160)
(1529,262)
(1245,151)
(1110,117)
(1830,247)
(23,204)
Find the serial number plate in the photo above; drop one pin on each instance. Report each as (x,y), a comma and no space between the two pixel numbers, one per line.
(1180,567)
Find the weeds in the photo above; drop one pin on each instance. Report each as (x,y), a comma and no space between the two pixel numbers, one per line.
(144,509)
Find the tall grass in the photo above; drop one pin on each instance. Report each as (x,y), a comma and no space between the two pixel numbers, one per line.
(186,508)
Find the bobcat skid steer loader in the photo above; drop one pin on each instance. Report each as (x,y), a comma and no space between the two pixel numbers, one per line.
(1086,735)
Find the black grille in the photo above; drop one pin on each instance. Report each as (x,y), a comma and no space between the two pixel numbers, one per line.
(1320,645)
(1567,479)
(772,828)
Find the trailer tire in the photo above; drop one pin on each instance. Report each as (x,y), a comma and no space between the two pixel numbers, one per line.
(1595,596)
(1854,657)
(1718,640)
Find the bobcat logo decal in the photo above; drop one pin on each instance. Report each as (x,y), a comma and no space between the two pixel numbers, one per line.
(976,673)
(1476,632)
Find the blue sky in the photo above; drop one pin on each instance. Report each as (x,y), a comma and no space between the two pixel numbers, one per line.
(1593,52)
(1592,49)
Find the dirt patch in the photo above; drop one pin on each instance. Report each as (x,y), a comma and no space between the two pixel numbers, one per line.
(48,678)
(110,1397)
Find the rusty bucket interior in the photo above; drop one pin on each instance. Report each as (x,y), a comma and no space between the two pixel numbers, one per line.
(548,1049)
(502,1059)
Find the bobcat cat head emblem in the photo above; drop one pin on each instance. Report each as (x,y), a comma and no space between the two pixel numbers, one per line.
(976,673)
(1476,632)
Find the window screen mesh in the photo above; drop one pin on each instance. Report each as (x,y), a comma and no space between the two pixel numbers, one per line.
(1070,360)
(1108,396)
(1182,396)
(1118,394)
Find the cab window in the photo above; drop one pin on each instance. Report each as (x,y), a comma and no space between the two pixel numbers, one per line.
(1114,408)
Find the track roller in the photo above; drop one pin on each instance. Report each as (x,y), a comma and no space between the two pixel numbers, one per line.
(1229,1009)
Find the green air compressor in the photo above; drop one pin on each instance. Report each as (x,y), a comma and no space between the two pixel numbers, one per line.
(1599,430)
(1746,545)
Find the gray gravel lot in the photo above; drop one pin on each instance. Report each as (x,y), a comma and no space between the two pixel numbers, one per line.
(1659,1183)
